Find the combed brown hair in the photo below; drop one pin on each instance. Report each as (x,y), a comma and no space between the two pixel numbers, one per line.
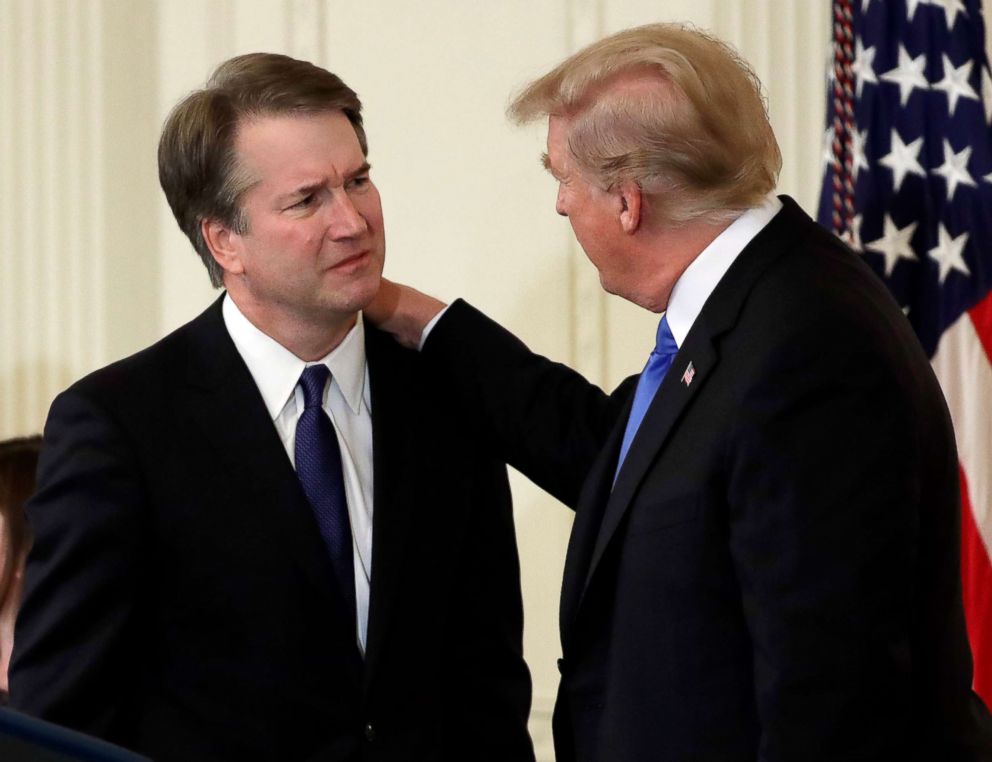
(18,461)
(668,107)
(197,163)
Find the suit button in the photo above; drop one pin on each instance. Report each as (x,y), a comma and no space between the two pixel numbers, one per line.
(369,732)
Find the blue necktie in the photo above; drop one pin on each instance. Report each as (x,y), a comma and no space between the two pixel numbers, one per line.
(654,372)
(318,466)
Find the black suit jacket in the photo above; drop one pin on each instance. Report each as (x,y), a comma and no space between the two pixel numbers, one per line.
(179,601)
(774,575)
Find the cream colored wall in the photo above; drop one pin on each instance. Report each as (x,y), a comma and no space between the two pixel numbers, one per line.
(92,266)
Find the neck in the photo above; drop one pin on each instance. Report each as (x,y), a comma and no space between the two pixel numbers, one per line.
(669,250)
(310,335)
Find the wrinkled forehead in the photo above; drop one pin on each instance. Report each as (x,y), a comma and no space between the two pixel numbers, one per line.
(296,148)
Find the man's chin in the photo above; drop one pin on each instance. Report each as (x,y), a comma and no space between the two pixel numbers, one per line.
(358,297)
(609,286)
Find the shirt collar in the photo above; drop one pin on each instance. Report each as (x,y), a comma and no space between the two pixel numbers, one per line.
(276,370)
(696,284)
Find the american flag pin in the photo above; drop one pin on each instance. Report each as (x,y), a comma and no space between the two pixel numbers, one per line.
(690,372)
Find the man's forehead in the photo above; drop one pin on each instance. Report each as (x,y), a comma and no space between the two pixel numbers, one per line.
(267,138)
(556,158)
(275,123)
(285,154)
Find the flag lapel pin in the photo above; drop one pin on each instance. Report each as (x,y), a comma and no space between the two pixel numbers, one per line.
(690,372)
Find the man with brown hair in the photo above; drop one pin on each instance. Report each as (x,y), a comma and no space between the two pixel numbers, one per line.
(264,537)
(764,560)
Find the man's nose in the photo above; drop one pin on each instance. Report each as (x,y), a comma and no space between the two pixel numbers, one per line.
(346,221)
(560,203)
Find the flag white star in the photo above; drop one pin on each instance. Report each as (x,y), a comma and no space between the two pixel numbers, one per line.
(862,66)
(987,93)
(955,169)
(903,159)
(955,82)
(860,161)
(864,6)
(908,74)
(988,178)
(894,243)
(828,147)
(951,10)
(829,63)
(947,253)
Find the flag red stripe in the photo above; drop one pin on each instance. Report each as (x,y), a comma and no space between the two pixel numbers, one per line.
(976,578)
(981,316)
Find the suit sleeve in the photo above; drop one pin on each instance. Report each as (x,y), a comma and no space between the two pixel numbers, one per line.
(490,717)
(539,416)
(824,525)
(72,659)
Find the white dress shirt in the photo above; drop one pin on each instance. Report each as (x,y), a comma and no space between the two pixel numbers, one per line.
(697,282)
(276,372)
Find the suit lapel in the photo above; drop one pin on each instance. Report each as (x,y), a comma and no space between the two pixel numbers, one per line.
(678,390)
(673,397)
(228,408)
(393,447)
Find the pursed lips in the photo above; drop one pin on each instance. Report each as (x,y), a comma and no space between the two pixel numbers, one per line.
(354,259)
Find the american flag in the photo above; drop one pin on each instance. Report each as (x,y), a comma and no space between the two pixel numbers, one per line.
(908,182)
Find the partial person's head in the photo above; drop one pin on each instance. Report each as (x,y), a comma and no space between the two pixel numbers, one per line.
(18,462)
(665,110)
(265,171)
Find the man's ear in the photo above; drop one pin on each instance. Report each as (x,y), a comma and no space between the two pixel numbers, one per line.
(631,198)
(223,244)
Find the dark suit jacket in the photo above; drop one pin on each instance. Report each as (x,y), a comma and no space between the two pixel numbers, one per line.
(774,575)
(179,601)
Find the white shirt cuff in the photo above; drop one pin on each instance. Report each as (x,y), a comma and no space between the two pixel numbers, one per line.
(430,327)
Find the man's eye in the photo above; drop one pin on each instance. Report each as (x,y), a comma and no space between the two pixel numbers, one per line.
(357,183)
(304,202)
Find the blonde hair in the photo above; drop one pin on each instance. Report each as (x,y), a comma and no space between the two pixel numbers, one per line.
(670,108)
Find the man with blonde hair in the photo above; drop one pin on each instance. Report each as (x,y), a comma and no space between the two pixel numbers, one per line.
(764,560)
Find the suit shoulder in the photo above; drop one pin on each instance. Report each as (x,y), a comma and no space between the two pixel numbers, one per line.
(822,284)
(413,391)
(144,374)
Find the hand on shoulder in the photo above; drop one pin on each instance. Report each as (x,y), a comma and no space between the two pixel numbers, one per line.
(402,311)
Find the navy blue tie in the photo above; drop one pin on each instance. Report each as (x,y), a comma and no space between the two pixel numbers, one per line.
(653,374)
(318,466)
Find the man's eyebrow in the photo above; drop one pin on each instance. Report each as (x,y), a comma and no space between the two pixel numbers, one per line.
(312,187)
(360,171)
(305,190)
(546,163)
